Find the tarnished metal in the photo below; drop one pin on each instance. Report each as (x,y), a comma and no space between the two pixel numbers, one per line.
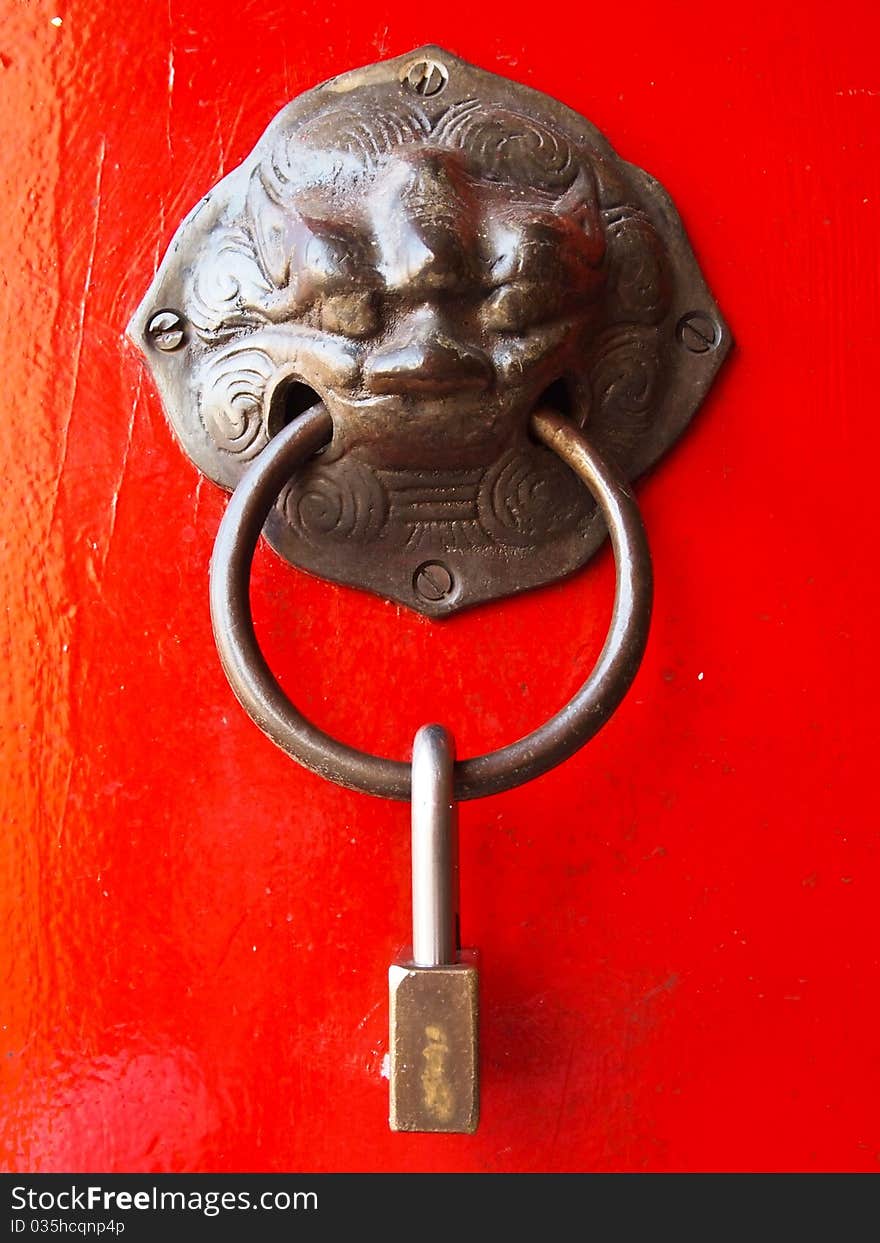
(434,1015)
(434,252)
(536,753)
(433,994)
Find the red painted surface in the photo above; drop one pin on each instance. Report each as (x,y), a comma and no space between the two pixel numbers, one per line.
(678,927)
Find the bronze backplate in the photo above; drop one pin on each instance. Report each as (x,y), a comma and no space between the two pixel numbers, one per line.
(433,252)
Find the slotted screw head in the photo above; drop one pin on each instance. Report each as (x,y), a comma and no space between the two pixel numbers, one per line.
(433,581)
(427,77)
(166,330)
(698,332)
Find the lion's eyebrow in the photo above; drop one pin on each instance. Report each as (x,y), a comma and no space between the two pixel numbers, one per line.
(515,255)
(335,251)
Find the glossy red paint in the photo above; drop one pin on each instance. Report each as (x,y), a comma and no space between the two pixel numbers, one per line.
(678,927)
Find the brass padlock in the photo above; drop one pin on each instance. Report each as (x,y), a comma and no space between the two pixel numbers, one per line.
(433,994)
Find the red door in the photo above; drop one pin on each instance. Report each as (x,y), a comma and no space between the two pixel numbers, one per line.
(678,926)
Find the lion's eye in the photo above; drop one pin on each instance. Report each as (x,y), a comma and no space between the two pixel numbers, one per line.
(511,309)
(350,314)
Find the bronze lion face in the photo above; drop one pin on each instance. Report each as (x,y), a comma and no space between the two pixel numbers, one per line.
(433,269)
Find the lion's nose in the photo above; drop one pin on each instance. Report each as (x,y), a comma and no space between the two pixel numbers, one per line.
(428,362)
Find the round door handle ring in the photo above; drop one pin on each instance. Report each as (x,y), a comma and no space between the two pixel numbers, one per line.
(263,699)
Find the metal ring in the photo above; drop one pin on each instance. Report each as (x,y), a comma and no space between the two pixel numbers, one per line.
(263,699)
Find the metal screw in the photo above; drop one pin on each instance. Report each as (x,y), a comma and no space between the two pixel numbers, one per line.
(427,77)
(166,330)
(698,332)
(433,581)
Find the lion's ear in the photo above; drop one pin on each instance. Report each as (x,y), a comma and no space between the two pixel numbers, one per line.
(581,204)
(269,227)
(639,283)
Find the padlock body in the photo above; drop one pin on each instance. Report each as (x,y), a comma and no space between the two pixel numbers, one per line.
(434,1024)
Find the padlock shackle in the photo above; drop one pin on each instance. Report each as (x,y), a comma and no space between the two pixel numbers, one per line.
(434,849)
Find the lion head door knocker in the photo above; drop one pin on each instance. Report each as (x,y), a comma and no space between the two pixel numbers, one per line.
(450,284)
